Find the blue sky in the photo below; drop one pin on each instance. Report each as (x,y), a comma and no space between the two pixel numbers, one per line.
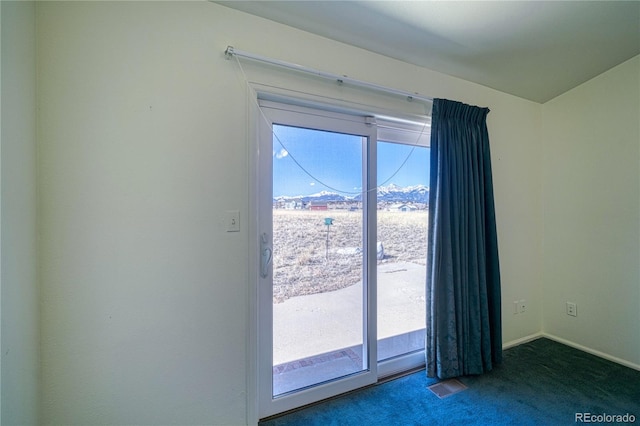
(335,159)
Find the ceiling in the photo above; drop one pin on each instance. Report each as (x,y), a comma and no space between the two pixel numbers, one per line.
(536,50)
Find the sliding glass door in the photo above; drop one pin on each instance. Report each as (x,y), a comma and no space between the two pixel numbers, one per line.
(341,274)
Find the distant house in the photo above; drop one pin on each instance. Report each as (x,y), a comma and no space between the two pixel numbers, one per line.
(293,205)
(402,208)
(318,205)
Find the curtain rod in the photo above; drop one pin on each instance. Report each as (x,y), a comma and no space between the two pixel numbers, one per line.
(340,79)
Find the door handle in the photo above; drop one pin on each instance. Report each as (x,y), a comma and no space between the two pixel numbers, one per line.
(266,255)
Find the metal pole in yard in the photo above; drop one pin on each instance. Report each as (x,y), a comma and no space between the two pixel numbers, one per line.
(327,221)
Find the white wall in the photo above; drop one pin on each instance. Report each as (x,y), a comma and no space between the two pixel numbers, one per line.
(592,213)
(143,145)
(19,316)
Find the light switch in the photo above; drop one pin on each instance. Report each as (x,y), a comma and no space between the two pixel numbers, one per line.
(233,221)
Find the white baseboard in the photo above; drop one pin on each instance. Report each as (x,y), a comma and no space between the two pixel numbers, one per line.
(522,340)
(592,351)
(597,353)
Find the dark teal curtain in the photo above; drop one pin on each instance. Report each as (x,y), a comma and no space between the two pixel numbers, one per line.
(464,333)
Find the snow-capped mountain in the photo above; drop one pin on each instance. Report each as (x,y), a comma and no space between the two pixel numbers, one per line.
(324,196)
(398,194)
(391,193)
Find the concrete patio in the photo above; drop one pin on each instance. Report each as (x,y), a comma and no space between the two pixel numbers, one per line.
(319,337)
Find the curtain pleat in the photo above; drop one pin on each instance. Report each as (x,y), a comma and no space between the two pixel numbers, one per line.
(463,279)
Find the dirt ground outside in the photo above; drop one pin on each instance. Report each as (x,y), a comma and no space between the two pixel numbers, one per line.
(306,262)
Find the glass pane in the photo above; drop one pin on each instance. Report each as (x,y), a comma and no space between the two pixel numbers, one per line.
(403,197)
(317,257)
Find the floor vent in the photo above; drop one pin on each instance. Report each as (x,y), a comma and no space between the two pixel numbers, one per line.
(447,388)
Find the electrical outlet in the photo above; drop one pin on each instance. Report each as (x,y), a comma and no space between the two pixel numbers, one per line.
(522,306)
(572,309)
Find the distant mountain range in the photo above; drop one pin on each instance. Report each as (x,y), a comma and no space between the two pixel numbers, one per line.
(398,194)
(391,193)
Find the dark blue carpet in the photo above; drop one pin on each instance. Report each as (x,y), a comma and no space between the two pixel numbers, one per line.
(539,383)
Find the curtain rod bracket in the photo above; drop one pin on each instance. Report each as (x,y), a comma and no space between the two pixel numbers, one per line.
(229,52)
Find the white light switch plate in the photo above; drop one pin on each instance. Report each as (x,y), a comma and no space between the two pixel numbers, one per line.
(233,221)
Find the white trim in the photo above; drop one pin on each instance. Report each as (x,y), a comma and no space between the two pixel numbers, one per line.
(349,106)
(592,351)
(403,128)
(253,257)
(370,233)
(520,341)
(535,336)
